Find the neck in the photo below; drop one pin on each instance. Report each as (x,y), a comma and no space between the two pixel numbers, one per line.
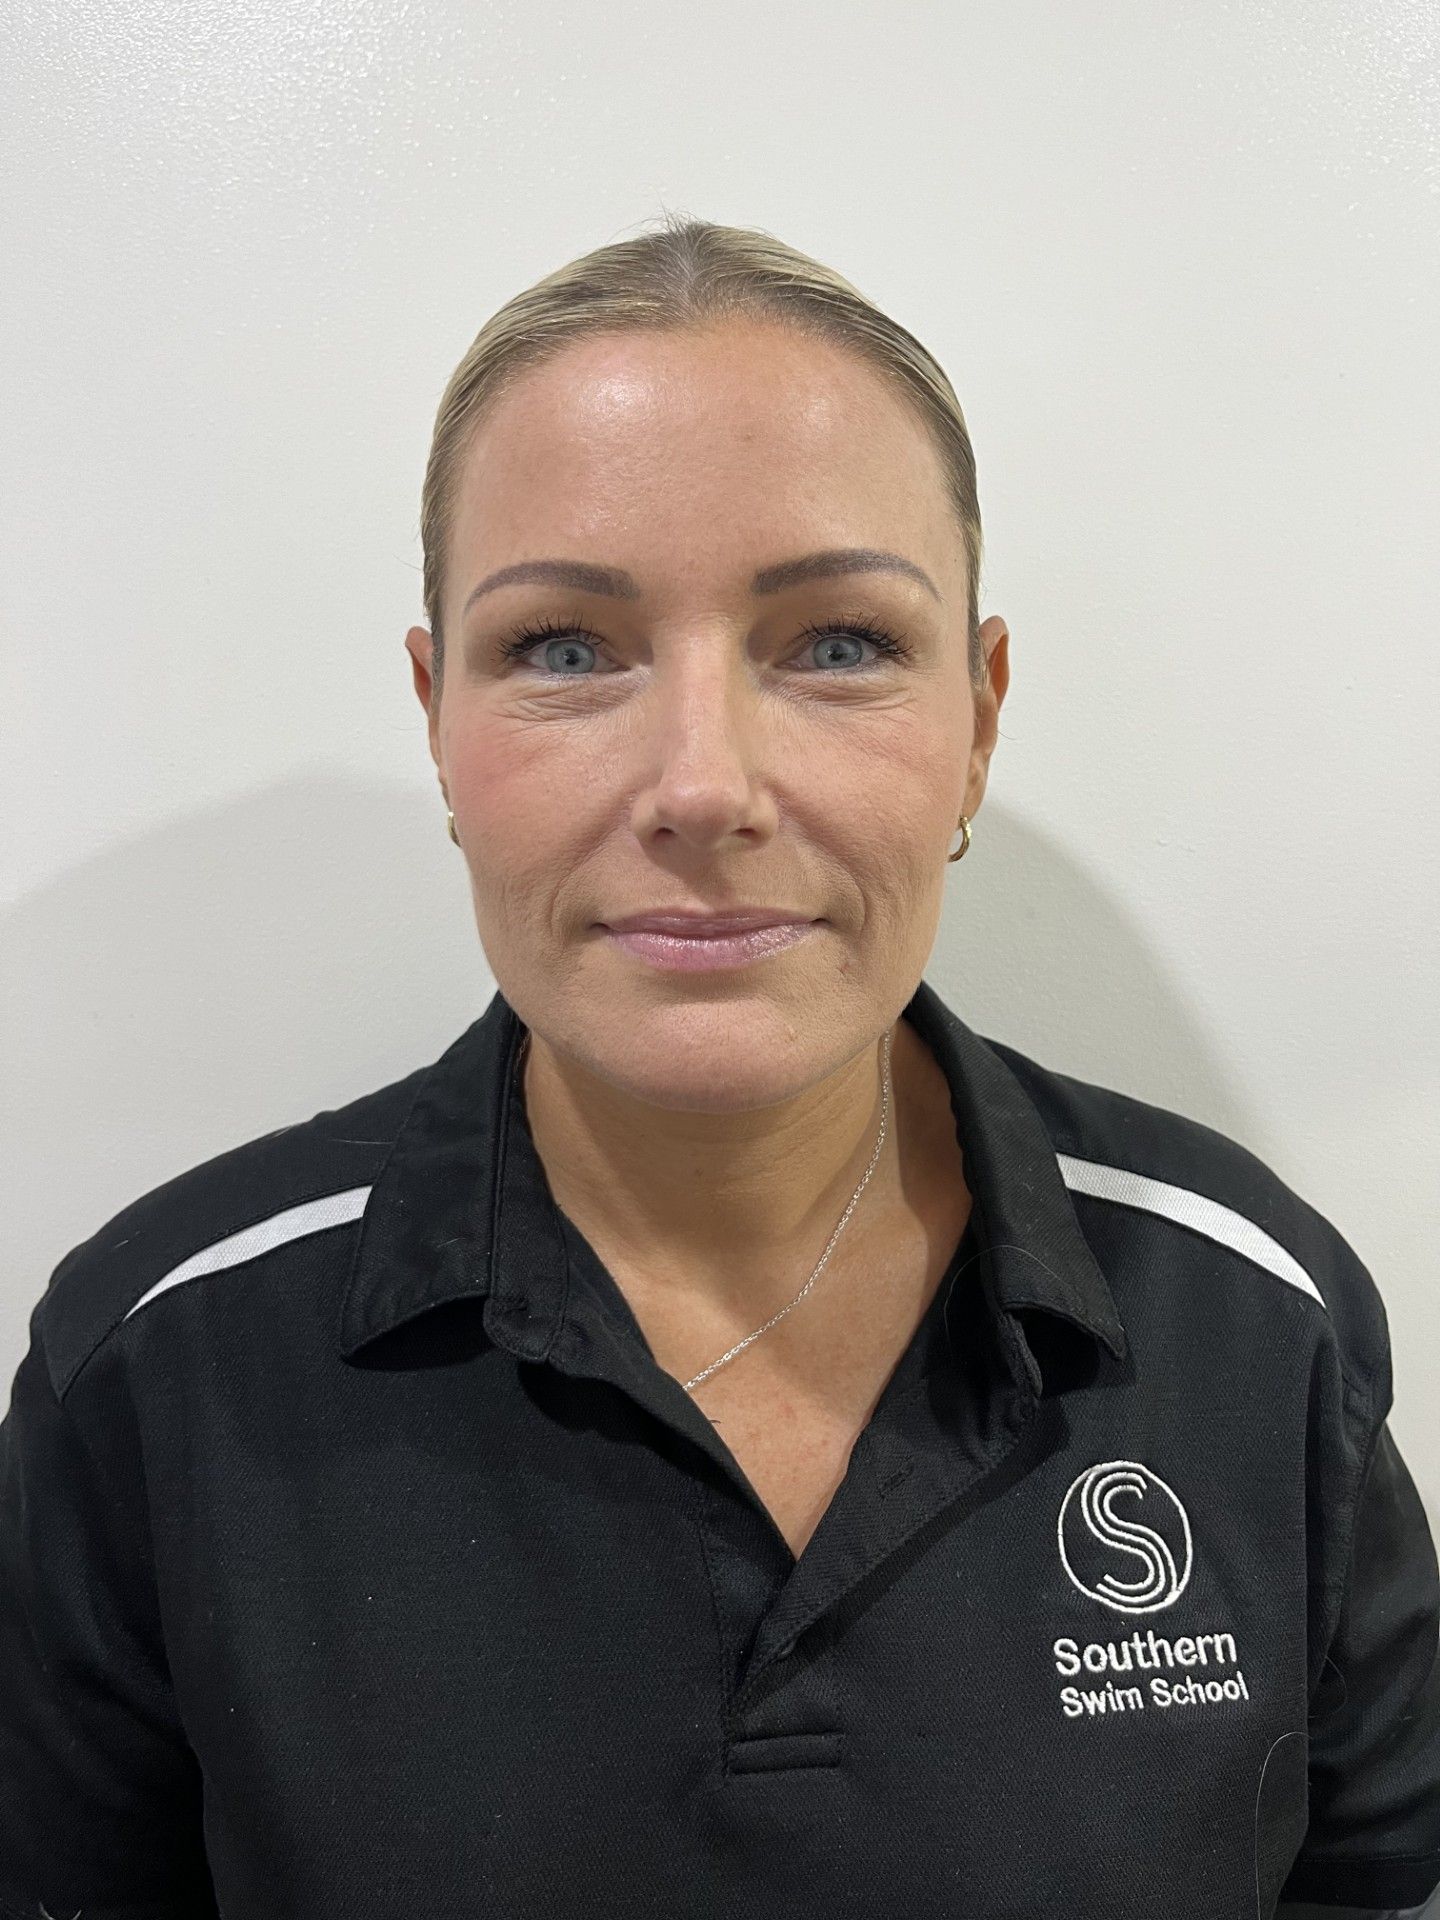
(727,1206)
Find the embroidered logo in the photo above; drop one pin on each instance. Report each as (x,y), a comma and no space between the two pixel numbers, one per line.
(1094,1535)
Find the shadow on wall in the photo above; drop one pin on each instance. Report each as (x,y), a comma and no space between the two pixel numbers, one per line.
(246,967)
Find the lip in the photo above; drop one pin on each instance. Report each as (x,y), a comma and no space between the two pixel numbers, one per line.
(706,952)
(738,920)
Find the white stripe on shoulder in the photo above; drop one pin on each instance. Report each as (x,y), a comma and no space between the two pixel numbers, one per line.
(1193,1210)
(313,1216)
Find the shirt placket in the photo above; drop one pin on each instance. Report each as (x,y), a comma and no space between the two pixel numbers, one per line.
(933,1440)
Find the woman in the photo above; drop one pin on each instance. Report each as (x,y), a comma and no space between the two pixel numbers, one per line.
(725,1438)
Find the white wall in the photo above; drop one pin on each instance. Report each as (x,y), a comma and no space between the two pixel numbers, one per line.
(1180,263)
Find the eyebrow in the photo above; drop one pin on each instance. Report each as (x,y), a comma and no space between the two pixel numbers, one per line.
(582,576)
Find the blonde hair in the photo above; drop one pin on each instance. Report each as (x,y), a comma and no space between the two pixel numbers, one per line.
(688,273)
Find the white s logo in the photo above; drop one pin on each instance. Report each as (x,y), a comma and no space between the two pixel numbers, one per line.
(1091,1533)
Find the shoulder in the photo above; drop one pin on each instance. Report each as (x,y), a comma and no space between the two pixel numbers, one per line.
(1157,1175)
(310,1176)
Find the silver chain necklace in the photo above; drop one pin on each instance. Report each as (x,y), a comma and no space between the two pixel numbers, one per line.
(740,1345)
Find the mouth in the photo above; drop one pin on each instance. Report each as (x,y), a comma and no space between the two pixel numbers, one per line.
(684,920)
(703,952)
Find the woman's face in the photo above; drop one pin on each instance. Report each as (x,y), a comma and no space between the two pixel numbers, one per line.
(686,743)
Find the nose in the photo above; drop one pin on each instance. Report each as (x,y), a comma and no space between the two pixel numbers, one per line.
(707,752)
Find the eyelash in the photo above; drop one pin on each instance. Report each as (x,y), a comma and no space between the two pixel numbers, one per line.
(890,646)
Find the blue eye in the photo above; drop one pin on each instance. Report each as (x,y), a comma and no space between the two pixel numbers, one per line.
(890,647)
(527,638)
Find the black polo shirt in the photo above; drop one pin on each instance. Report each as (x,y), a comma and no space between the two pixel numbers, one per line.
(359,1562)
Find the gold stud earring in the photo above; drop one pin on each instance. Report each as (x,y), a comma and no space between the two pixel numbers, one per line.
(965,844)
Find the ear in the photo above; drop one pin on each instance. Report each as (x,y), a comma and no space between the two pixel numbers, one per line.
(995,639)
(420,647)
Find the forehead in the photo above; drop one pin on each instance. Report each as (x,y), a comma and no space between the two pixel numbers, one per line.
(743,437)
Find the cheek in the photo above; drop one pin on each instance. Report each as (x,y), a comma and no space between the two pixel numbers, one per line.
(504,790)
(910,798)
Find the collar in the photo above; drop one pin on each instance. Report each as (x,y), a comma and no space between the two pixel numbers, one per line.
(461,1210)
